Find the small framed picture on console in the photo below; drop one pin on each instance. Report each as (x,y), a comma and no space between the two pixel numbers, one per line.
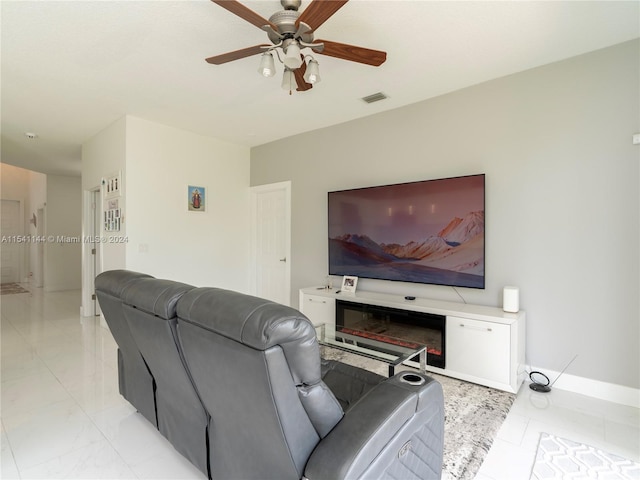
(349,284)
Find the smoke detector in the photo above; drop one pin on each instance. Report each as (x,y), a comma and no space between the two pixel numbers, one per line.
(31,135)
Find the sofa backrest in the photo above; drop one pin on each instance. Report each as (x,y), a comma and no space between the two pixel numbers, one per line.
(135,381)
(256,365)
(150,309)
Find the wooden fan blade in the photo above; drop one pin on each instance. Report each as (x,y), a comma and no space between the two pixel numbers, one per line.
(299,74)
(236,55)
(319,11)
(353,53)
(245,13)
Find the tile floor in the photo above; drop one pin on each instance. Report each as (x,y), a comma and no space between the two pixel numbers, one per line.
(63,418)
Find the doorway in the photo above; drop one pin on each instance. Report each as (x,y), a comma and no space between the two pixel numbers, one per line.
(12,252)
(38,268)
(270,276)
(91,250)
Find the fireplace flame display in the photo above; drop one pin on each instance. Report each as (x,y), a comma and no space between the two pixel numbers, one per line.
(399,327)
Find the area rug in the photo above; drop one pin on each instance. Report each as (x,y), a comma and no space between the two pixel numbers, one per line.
(9,288)
(559,458)
(473,416)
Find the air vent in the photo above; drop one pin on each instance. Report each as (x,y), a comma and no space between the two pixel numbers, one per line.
(376,97)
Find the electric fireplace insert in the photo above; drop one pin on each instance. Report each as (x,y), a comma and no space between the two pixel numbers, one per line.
(392,325)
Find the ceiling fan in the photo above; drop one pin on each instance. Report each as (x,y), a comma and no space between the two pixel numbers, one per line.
(292,31)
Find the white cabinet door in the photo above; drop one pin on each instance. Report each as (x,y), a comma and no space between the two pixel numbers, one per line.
(479,349)
(319,309)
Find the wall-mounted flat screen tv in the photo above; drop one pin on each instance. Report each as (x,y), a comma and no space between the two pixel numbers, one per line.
(430,231)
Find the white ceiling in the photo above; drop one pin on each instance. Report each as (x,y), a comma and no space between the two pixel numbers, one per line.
(71,68)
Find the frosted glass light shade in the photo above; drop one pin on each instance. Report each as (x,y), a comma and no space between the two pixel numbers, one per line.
(267,66)
(288,80)
(312,75)
(292,57)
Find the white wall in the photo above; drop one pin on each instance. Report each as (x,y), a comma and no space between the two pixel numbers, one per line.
(62,260)
(37,200)
(104,155)
(562,200)
(209,248)
(163,239)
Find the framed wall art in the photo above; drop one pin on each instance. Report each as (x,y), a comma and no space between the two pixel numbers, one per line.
(112,185)
(196,199)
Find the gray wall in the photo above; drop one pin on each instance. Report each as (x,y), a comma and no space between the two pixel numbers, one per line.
(63,259)
(562,202)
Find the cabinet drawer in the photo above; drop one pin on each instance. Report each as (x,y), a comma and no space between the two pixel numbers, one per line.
(319,309)
(477,348)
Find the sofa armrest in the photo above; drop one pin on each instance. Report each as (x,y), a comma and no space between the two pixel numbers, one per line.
(396,430)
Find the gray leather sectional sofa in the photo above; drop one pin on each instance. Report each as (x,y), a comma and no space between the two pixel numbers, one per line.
(237,385)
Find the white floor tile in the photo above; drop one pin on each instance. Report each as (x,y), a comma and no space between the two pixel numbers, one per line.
(96,392)
(622,439)
(22,364)
(9,469)
(98,460)
(513,431)
(169,465)
(31,393)
(130,433)
(52,431)
(506,461)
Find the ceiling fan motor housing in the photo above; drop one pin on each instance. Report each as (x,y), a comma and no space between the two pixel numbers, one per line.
(291,4)
(285,20)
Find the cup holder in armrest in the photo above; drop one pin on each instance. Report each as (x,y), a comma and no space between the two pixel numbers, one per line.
(412,379)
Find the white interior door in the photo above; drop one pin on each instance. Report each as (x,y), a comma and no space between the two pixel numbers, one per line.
(38,268)
(12,249)
(271,242)
(96,216)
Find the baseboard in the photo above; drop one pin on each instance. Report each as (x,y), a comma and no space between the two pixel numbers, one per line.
(61,288)
(610,392)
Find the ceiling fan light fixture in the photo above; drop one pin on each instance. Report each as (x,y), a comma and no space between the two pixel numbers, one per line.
(292,57)
(267,65)
(312,75)
(289,31)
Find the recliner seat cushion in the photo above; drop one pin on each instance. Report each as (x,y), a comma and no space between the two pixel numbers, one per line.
(348,383)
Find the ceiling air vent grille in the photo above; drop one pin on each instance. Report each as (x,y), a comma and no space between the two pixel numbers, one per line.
(376,97)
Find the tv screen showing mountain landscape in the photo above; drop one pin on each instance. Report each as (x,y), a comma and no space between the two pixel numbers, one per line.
(423,232)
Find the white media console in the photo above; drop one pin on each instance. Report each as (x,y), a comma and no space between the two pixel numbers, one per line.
(483,345)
